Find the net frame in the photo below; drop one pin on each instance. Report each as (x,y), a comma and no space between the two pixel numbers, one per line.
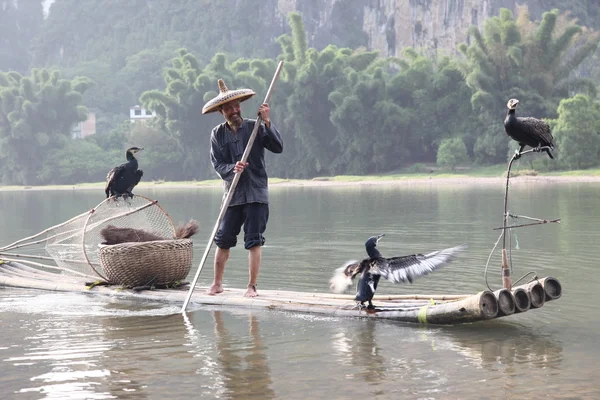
(88,243)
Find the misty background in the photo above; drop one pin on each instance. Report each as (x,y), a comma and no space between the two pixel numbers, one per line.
(367,87)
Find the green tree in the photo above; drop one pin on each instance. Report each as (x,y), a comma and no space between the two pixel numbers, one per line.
(37,113)
(188,87)
(452,153)
(519,58)
(162,157)
(577,132)
(314,76)
(80,160)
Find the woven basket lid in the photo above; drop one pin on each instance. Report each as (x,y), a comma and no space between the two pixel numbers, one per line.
(225,95)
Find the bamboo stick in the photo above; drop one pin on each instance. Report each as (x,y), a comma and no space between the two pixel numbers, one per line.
(26,256)
(49,267)
(384,297)
(10,246)
(506,279)
(544,221)
(478,307)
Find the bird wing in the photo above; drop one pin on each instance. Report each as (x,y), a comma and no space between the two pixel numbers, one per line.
(537,128)
(407,268)
(138,176)
(112,177)
(139,173)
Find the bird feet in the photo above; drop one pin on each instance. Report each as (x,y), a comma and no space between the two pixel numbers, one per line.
(361,306)
(517,154)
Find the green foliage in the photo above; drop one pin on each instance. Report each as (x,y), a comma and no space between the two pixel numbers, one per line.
(78,161)
(519,58)
(162,157)
(188,87)
(341,110)
(37,113)
(577,132)
(452,153)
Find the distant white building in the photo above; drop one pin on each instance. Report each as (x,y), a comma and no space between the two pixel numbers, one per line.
(137,113)
(85,128)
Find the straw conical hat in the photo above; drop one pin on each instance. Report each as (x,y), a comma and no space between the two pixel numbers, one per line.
(225,95)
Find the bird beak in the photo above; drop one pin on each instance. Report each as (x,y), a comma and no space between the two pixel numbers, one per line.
(379,237)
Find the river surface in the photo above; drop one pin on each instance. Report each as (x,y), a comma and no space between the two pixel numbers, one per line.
(77,346)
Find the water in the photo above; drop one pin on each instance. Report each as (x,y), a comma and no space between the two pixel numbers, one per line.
(77,346)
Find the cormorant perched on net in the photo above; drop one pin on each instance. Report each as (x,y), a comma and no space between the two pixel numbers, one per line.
(527,131)
(395,269)
(121,180)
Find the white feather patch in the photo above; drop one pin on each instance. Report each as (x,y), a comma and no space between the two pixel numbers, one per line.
(340,281)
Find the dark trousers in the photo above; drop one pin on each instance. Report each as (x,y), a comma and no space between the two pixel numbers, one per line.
(253,216)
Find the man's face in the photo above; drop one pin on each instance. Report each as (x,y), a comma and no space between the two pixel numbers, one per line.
(232,111)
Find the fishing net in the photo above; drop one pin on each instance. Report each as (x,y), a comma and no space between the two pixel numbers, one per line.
(74,245)
(140,213)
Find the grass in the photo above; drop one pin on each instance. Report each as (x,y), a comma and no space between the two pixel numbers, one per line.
(416,171)
(579,172)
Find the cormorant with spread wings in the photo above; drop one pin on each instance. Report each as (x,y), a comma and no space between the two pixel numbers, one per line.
(395,269)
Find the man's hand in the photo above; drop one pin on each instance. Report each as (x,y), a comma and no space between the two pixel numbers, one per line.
(239,167)
(265,114)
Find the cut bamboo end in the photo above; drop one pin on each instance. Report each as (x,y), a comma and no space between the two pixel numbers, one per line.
(552,288)
(488,304)
(535,290)
(506,302)
(522,300)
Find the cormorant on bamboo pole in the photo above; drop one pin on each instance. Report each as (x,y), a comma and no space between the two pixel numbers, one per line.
(527,131)
(121,180)
(395,269)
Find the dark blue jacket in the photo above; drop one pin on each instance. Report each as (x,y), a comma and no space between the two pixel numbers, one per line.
(227,148)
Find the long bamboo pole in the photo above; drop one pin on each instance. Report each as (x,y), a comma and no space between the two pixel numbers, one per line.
(236,179)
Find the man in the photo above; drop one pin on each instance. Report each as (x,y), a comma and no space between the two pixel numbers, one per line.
(250,202)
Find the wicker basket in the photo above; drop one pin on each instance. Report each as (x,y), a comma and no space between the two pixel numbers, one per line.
(159,262)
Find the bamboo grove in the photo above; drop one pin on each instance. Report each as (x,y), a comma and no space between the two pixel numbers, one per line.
(341,110)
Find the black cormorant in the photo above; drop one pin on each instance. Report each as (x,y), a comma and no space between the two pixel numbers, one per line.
(527,131)
(121,180)
(395,269)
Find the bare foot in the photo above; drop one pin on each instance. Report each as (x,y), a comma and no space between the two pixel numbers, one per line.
(251,292)
(214,289)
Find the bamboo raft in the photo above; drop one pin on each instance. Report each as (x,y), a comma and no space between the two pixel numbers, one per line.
(417,308)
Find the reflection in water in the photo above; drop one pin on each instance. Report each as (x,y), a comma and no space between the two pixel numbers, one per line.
(150,340)
(498,345)
(71,352)
(377,353)
(359,348)
(510,353)
(243,361)
(58,346)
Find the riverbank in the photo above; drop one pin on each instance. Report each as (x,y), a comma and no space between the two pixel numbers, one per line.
(409,179)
